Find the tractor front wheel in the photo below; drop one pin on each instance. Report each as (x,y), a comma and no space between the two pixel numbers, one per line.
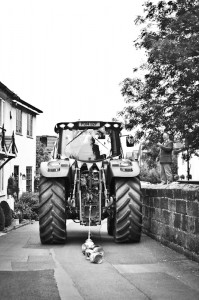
(52,217)
(128,211)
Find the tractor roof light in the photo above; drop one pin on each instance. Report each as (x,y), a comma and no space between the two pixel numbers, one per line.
(116,125)
(71,125)
(107,125)
(62,126)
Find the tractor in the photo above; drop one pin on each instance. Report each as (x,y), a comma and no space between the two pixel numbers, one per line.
(89,179)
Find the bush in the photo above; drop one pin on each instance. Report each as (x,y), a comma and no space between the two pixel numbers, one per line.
(2,219)
(12,186)
(17,214)
(174,167)
(150,175)
(28,205)
(7,213)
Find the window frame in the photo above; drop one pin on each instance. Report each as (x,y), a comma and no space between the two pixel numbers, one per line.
(2,114)
(18,121)
(29,179)
(29,125)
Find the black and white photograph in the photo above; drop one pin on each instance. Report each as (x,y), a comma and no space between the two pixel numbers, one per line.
(99,150)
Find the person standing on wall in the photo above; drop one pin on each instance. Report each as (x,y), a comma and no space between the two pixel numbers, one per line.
(166,159)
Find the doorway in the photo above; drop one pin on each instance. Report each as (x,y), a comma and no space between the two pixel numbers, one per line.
(16,177)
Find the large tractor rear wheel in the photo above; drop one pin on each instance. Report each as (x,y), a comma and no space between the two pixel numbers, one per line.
(128,213)
(110,225)
(52,217)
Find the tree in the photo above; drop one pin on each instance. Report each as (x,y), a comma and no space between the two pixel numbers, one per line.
(167,96)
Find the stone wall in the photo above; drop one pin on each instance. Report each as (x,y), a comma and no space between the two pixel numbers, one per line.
(171,216)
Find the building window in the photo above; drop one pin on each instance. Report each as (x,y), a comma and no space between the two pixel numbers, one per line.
(29,124)
(1,112)
(29,179)
(18,121)
(16,178)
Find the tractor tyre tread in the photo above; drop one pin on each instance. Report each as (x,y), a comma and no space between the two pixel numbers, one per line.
(128,212)
(52,217)
(110,225)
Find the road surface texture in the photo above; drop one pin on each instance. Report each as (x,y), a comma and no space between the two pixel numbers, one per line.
(148,270)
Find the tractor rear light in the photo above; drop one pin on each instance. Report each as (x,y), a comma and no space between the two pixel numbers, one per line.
(53,166)
(126,165)
(54,170)
(126,169)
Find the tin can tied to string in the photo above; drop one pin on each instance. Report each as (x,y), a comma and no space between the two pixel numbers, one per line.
(92,252)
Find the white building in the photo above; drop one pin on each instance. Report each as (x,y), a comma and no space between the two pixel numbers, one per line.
(186,167)
(18,142)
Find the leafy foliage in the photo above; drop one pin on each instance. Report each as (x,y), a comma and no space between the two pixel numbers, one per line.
(41,155)
(151,174)
(12,188)
(167,96)
(7,213)
(28,205)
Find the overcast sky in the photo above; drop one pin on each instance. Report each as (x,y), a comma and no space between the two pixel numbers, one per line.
(67,58)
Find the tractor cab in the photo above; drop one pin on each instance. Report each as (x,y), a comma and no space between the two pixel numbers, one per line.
(89,141)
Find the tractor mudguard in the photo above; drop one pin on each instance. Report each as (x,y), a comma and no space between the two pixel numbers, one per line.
(55,168)
(118,168)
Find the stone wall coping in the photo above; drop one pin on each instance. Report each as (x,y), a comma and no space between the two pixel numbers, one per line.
(172,186)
